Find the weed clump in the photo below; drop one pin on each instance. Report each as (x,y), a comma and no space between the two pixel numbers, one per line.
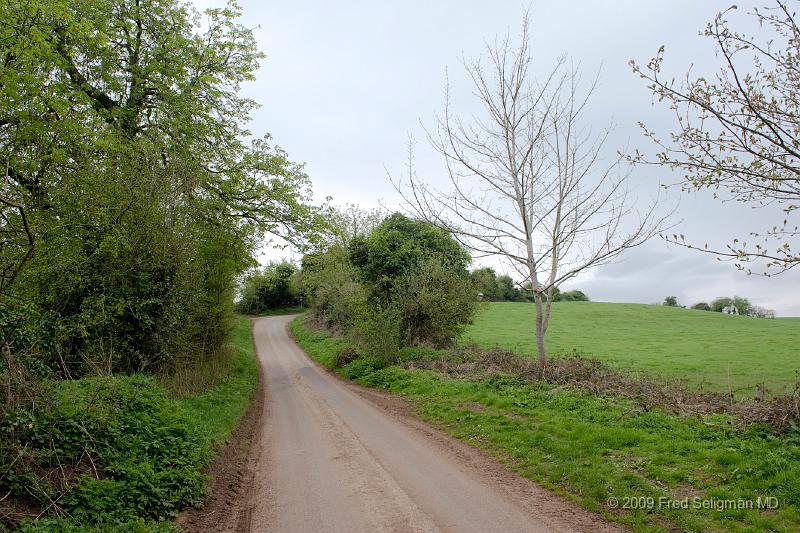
(346,355)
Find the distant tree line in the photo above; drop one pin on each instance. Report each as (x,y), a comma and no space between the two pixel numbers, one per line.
(493,288)
(737,305)
(276,286)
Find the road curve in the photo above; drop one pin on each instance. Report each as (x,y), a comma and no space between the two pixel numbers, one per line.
(330,459)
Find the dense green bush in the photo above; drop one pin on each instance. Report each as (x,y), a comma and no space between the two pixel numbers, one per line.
(557,295)
(272,287)
(379,333)
(328,282)
(416,274)
(435,301)
(107,449)
(397,246)
(702,306)
(25,333)
(572,296)
(405,283)
(345,356)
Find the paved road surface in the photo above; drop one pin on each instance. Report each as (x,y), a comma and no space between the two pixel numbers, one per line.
(331,458)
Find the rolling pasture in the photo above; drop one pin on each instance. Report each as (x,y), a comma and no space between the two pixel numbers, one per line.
(712,350)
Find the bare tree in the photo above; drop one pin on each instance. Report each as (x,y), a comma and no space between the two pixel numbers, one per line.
(738,133)
(527,180)
(352,221)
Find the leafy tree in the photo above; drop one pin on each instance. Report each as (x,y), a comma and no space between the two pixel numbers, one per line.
(131,201)
(741,304)
(718,304)
(273,287)
(487,284)
(330,285)
(398,245)
(702,306)
(671,301)
(737,133)
(484,280)
(352,222)
(496,288)
(435,301)
(556,294)
(419,270)
(405,283)
(509,290)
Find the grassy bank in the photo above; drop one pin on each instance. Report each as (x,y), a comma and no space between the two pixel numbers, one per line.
(599,450)
(119,453)
(715,350)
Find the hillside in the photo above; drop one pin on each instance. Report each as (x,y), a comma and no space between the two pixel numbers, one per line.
(715,350)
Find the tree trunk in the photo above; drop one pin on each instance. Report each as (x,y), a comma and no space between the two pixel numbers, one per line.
(537,298)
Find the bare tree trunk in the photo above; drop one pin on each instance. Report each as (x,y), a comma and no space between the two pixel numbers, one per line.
(540,328)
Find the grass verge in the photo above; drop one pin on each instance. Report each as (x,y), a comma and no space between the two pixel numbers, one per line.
(598,450)
(118,453)
(216,411)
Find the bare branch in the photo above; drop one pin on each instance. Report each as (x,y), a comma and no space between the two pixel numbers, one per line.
(527,181)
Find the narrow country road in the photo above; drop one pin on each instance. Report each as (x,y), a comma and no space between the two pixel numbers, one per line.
(331,458)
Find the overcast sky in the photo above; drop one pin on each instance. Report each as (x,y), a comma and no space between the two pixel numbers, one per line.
(344,84)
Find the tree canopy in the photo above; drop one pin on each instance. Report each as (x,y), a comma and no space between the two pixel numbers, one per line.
(398,245)
(131,198)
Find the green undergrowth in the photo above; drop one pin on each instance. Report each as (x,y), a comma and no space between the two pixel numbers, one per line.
(217,410)
(600,451)
(119,453)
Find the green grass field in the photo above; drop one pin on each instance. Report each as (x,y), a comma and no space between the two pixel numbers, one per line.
(710,349)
